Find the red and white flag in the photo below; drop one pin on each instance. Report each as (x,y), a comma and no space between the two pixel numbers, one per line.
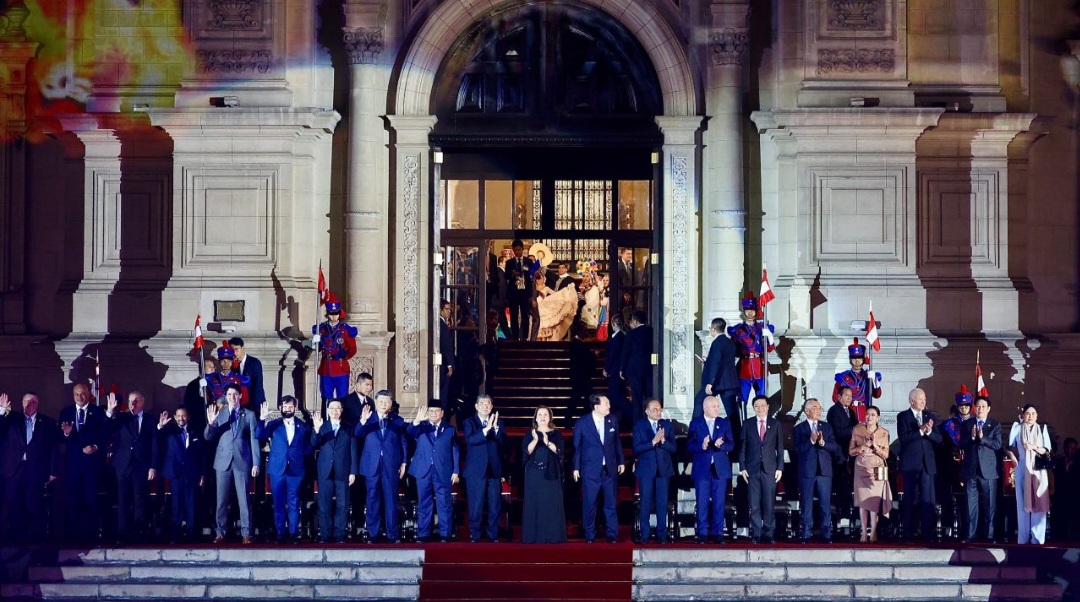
(871,331)
(198,333)
(980,384)
(322,286)
(766,294)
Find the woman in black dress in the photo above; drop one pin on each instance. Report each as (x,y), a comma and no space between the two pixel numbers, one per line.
(543,517)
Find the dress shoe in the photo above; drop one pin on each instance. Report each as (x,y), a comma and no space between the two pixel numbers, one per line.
(718,539)
(474,540)
(219,539)
(663,541)
(246,540)
(826,540)
(296,539)
(700,540)
(444,540)
(588,541)
(770,540)
(804,540)
(613,540)
(280,540)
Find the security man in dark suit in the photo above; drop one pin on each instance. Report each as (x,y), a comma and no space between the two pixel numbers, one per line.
(381,436)
(180,456)
(980,437)
(29,460)
(252,368)
(446,350)
(519,291)
(761,459)
(132,437)
(816,452)
(918,463)
(711,443)
(718,375)
(637,362)
(361,396)
(616,389)
(598,461)
(485,439)
(84,436)
(654,448)
(336,466)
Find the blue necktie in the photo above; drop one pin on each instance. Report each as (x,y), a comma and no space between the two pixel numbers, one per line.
(183,437)
(29,429)
(81,420)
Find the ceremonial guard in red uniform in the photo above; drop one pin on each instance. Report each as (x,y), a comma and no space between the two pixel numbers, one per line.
(337,345)
(751,338)
(865,387)
(225,376)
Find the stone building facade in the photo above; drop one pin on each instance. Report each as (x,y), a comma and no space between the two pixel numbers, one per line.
(174,158)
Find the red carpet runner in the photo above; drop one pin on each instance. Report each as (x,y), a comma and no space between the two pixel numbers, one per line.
(527,573)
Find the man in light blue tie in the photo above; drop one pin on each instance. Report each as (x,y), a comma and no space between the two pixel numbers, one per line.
(980,437)
(654,448)
(711,441)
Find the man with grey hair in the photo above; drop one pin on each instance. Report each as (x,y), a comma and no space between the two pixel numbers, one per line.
(817,451)
(132,436)
(918,463)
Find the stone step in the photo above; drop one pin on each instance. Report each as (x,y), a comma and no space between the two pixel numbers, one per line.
(746,573)
(812,556)
(162,572)
(230,591)
(713,592)
(248,556)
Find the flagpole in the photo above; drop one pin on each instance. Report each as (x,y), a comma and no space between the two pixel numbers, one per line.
(317,381)
(869,347)
(97,376)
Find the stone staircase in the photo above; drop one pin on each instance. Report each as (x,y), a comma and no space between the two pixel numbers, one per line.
(840,574)
(231,574)
(542,373)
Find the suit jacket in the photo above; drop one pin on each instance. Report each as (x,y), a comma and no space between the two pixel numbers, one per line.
(843,421)
(703,459)
(518,267)
(253,369)
(590,455)
(42,453)
(637,352)
(757,456)
(719,369)
(133,448)
(654,460)
(387,450)
(815,460)
(614,352)
(237,448)
(446,344)
(175,461)
(352,406)
(285,459)
(339,456)
(484,452)
(917,453)
(93,432)
(561,283)
(980,455)
(437,455)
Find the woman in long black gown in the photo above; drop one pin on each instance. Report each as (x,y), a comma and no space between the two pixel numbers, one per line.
(543,517)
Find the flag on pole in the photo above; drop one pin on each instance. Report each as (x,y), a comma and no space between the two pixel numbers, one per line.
(198,333)
(980,384)
(766,293)
(322,286)
(871,331)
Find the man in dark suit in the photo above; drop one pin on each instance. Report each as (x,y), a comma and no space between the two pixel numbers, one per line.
(654,448)
(29,460)
(841,417)
(711,443)
(816,451)
(353,404)
(381,436)
(637,362)
(519,291)
(918,463)
(616,389)
(598,461)
(233,430)
(195,398)
(336,465)
(252,368)
(484,461)
(980,437)
(446,349)
(180,455)
(436,466)
(85,436)
(290,445)
(132,437)
(718,375)
(761,458)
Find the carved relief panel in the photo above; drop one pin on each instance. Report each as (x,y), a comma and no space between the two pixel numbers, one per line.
(856,39)
(236,39)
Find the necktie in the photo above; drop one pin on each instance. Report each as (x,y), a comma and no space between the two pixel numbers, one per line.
(382,426)
(183,437)
(29,429)
(813,428)
(654,427)
(761,430)
(138,424)
(918,417)
(236,421)
(335,428)
(81,420)
(980,425)
(483,423)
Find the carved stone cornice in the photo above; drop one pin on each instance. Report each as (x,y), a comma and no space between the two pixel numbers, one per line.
(364,45)
(728,46)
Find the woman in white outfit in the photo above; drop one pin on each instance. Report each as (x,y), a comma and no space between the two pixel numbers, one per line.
(1029,438)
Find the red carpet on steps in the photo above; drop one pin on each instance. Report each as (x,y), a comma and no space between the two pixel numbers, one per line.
(527,573)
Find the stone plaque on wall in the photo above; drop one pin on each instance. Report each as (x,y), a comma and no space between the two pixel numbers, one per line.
(230,215)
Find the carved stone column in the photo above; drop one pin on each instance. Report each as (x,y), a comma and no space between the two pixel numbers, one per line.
(723,208)
(679,258)
(413,256)
(367,240)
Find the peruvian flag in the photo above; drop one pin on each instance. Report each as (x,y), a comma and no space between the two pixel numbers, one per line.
(322,286)
(766,294)
(980,384)
(198,333)
(871,331)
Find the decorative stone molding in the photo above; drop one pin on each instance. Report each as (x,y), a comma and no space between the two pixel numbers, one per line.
(361,363)
(680,230)
(364,45)
(728,46)
(410,249)
(856,14)
(731,219)
(845,61)
(234,61)
(234,15)
(11,22)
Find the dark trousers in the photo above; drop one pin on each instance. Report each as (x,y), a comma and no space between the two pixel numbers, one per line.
(22,519)
(590,490)
(133,499)
(182,492)
(710,495)
(432,495)
(520,310)
(918,498)
(286,492)
(82,500)
(822,486)
(640,392)
(654,498)
(333,516)
(762,494)
(382,503)
(483,492)
(981,516)
(616,394)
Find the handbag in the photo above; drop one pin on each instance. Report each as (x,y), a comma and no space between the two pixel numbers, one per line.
(1044,461)
(881,473)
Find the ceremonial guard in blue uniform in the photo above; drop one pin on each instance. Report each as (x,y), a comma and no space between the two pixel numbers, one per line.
(751,339)
(865,387)
(337,345)
(225,376)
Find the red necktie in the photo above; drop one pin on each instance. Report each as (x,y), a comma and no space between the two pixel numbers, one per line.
(761,430)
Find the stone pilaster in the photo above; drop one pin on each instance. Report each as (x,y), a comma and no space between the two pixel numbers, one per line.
(680,280)
(413,264)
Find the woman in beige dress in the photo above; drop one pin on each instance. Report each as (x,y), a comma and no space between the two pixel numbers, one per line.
(870,446)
